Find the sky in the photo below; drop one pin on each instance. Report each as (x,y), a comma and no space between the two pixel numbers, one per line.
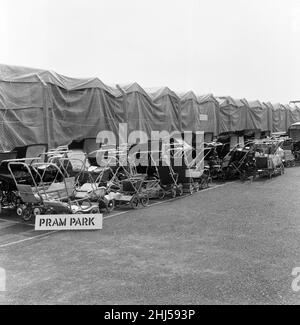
(242,48)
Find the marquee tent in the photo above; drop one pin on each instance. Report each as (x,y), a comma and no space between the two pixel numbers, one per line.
(143,114)
(279,118)
(293,114)
(169,103)
(258,117)
(209,112)
(38,106)
(232,115)
(190,112)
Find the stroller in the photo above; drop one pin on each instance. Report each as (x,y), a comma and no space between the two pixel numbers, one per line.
(9,197)
(90,184)
(42,197)
(129,185)
(289,158)
(212,160)
(268,156)
(240,163)
(161,179)
(191,172)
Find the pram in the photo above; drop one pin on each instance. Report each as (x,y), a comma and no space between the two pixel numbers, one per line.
(287,147)
(126,186)
(240,162)
(161,178)
(268,158)
(212,160)
(8,191)
(90,184)
(191,170)
(42,197)
(132,192)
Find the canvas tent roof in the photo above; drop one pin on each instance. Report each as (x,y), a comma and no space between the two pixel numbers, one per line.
(39,106)
(29,75)
(293,114)
(157,93)
(258,116)
(279,118)
(232,114)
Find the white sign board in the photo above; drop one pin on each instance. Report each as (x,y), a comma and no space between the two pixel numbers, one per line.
(69,222)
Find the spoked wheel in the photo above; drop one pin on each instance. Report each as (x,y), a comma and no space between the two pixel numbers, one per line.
(110,206)
(180,190)
(161,194)
(173,192)
(197,187)
(134,203)
(145,200)
(27,214)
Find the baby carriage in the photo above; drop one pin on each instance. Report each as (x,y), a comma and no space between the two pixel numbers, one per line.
(240,163)
(41,197)
(132,192)
(288,156)
(162,179)
(212,160)
(8,191)
(191,170)
(268,156)
(89,183)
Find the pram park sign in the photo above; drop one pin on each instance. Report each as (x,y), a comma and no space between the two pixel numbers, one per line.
(69,222)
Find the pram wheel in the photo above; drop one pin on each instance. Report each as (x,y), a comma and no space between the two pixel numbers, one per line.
(161,194)
(173,192)
(27,214)
(180,190)
(36,211)
(134,203)
(110,206)
(197,187)
(95,211)
(145,201)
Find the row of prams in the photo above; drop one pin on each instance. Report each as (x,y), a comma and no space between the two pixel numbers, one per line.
(66,184)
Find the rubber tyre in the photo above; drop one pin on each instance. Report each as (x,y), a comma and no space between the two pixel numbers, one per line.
(27,214)
(144,201)
(134,203)
(161,194)
(110,206)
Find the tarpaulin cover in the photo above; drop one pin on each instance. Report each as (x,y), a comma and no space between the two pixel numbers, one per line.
(144,114)
(169,103)
(257,116)
(232,115)
(293,114)
(81,114)
(190,112)
(38,106)
(279,114)
(208,107)
(269,107)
